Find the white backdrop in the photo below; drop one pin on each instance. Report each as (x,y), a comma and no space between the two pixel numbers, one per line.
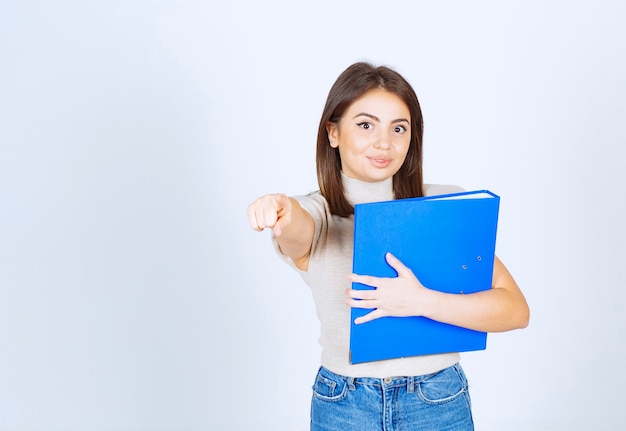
(133,134)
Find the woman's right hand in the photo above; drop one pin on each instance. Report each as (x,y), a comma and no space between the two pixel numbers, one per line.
(291,225)
(272,211)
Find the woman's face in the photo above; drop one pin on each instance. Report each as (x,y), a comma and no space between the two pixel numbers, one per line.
(372,136)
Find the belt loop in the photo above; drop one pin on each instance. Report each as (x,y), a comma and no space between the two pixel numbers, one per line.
(351,385)
(410,384)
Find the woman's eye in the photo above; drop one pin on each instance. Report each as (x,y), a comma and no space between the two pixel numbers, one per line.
(399,129)
(365,125)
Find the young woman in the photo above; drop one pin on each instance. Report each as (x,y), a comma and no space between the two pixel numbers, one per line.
(369,148)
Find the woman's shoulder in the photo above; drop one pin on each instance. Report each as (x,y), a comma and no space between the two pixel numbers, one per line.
(314,197)
(441,189)
(314,203)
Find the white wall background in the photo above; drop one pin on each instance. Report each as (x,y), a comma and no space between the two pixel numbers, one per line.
(133,134)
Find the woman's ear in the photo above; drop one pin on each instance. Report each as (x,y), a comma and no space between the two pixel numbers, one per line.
(333,132)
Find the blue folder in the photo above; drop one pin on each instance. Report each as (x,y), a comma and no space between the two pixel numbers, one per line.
(448,241)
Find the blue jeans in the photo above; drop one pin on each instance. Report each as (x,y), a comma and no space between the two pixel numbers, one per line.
(438,402)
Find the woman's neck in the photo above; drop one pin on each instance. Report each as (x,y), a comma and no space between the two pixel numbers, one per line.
(358,192)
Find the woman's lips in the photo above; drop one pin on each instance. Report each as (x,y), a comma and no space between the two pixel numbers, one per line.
(379,161)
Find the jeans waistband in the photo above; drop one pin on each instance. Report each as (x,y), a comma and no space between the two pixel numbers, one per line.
(386,382)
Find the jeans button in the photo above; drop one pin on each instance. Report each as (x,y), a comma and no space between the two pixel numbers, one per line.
(387,380)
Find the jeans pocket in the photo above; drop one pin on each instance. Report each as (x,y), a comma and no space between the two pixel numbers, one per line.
(443,387)
(329,386)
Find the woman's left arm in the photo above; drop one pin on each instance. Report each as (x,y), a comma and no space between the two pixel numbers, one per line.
(501,308)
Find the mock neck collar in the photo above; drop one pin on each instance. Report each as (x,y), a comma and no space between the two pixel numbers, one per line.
(359,192)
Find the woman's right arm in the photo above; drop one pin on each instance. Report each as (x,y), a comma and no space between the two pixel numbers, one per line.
(292,226)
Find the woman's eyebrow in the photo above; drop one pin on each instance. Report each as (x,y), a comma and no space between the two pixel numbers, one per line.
(400,120)
(375,118)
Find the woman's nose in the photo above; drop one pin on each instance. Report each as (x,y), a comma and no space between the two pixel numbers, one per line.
(383,141)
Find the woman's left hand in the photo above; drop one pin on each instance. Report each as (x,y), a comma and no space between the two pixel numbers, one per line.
(397,296)
(501,308)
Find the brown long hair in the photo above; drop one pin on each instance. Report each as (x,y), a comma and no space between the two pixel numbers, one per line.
(353,83)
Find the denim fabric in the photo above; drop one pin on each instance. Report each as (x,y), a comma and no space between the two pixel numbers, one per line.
(438,402)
